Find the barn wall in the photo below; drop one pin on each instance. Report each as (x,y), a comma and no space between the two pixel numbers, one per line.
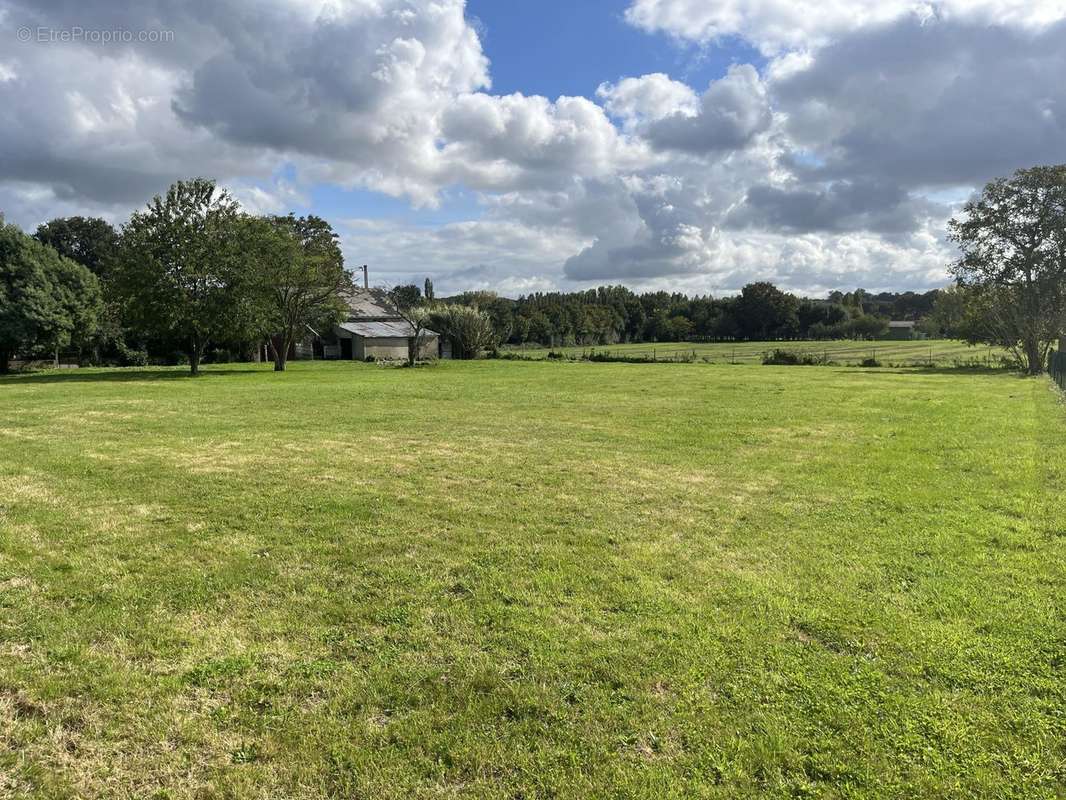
(384,347)
(389,347)
(430,348)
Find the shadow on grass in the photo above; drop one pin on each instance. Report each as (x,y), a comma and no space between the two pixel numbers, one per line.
(118,375)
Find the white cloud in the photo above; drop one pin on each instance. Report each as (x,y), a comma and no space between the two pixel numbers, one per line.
(353,91)
(647,98)
(505,255)
(928,106)
(819,171)
(277,197)
(670,116)
(515,141)
(777,25)
(732,112)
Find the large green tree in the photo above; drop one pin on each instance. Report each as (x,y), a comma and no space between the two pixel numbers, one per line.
(93,243)
(182,271)
(300,273)
(47,302)
(764,312)
(90,241)
(1012,239)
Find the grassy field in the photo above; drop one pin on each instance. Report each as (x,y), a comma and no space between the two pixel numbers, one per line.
(940,352)
(532,580)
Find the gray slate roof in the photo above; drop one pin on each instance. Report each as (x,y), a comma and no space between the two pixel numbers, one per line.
(371,314)
(381,330)
(370,304)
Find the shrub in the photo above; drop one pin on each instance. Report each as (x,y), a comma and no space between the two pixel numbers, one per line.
(129,357)
(468,329)
(870,362)
(789,358)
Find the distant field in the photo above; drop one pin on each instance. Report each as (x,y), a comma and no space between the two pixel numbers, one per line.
(506,579)
(940,352)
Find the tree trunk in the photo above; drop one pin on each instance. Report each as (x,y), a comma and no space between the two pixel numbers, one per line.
(1033,357)
(281,356)
(196,352)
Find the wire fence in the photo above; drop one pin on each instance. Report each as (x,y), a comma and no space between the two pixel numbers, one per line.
(888,354)
(1057,368)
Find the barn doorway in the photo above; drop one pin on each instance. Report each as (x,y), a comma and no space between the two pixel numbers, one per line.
(346,349)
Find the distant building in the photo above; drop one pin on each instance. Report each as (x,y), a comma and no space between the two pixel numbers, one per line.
(372,329)
(375,329)
(902,329)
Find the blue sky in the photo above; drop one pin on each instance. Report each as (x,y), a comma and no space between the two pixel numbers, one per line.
(556,47)
(543,47)
(817,145)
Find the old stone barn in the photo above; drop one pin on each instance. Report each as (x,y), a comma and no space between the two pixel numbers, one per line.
(373,329)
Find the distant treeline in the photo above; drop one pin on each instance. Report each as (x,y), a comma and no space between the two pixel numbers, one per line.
(761,312)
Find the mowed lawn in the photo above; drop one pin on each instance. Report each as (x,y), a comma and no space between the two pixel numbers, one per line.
(933,352)
(532,580)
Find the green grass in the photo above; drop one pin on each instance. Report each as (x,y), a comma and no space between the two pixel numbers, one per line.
(509,579)
(938,352)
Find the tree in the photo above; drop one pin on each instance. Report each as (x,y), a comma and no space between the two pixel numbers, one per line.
(90,241)
(409,306)
(182,273)
(824,314)
(300,275)
(764,312)
(949,312)
(406,296)
(428,292)
(866,326)
(418,317)
(47,302)
(468,329)
(93,243)
(976,316)
(1012,240)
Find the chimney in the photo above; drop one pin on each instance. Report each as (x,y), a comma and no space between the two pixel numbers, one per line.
(366,278)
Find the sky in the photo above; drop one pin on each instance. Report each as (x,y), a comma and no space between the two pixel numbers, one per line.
(519,146)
